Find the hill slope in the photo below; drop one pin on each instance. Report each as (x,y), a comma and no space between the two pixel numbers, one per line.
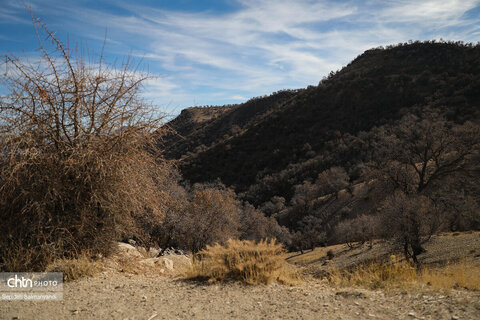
(243,144)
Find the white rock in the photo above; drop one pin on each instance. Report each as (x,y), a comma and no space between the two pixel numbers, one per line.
(167,263)
(125,248)
(153,252)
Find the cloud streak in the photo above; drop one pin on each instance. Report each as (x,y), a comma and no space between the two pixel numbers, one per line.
(259,46)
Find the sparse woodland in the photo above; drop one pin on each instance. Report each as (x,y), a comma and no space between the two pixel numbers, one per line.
(391,152)
(387,147)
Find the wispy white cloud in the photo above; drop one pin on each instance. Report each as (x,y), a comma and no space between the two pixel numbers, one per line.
(429,12)
(262,45)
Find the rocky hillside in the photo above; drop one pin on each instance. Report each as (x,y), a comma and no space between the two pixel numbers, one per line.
(242,144)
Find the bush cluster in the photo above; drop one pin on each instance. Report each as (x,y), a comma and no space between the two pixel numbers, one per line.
(253,263)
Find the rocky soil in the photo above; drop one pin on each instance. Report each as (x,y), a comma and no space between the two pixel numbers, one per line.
(139,284)
(126,296)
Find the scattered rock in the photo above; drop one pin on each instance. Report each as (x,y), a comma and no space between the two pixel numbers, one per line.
(167,263)
(154,252)
(128,249)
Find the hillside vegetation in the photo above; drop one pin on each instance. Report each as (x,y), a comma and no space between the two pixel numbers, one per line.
(388,147)
(396,130)
(266,135)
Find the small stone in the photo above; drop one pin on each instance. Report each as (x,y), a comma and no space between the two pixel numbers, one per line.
(168,264)
(455,318)
(412,314)
(154,252)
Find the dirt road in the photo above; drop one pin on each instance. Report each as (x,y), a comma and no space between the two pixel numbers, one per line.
(123,296)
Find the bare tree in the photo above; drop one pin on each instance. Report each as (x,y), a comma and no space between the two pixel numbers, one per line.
(75,171)
(421,151)
(208,214)
(360,229)
(415,159)
(410,221)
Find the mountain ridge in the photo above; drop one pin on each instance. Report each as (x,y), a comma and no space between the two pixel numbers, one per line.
(243,143)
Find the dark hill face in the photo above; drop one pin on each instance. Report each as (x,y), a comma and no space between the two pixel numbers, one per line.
(241,143)
(198,128)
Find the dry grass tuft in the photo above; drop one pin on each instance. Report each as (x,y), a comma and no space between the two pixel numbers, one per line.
(397,274)
(455,275)
(253,263)
(76,268)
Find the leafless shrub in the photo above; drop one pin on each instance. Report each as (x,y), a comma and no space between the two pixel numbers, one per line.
(333,180)
(208,214)
(307,239)
(361,229)
(75,171)
(211,213)
(410,220)
(254,225)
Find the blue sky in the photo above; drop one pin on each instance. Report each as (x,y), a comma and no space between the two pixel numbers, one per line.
(218,52)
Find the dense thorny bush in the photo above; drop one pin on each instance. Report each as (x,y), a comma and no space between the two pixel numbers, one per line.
(75,170)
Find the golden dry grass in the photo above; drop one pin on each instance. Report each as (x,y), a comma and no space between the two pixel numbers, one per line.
(455,275)
(76,268)
(397,274)
(253,263)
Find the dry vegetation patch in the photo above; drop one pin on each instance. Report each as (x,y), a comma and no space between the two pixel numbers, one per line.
(76,268)
(450,262)
(253,263)
(397,274)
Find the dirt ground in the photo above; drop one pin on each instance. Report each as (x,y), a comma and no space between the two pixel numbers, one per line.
(158,293)
(122,296)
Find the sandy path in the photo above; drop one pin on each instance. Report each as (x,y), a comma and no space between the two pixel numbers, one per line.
(120,296)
